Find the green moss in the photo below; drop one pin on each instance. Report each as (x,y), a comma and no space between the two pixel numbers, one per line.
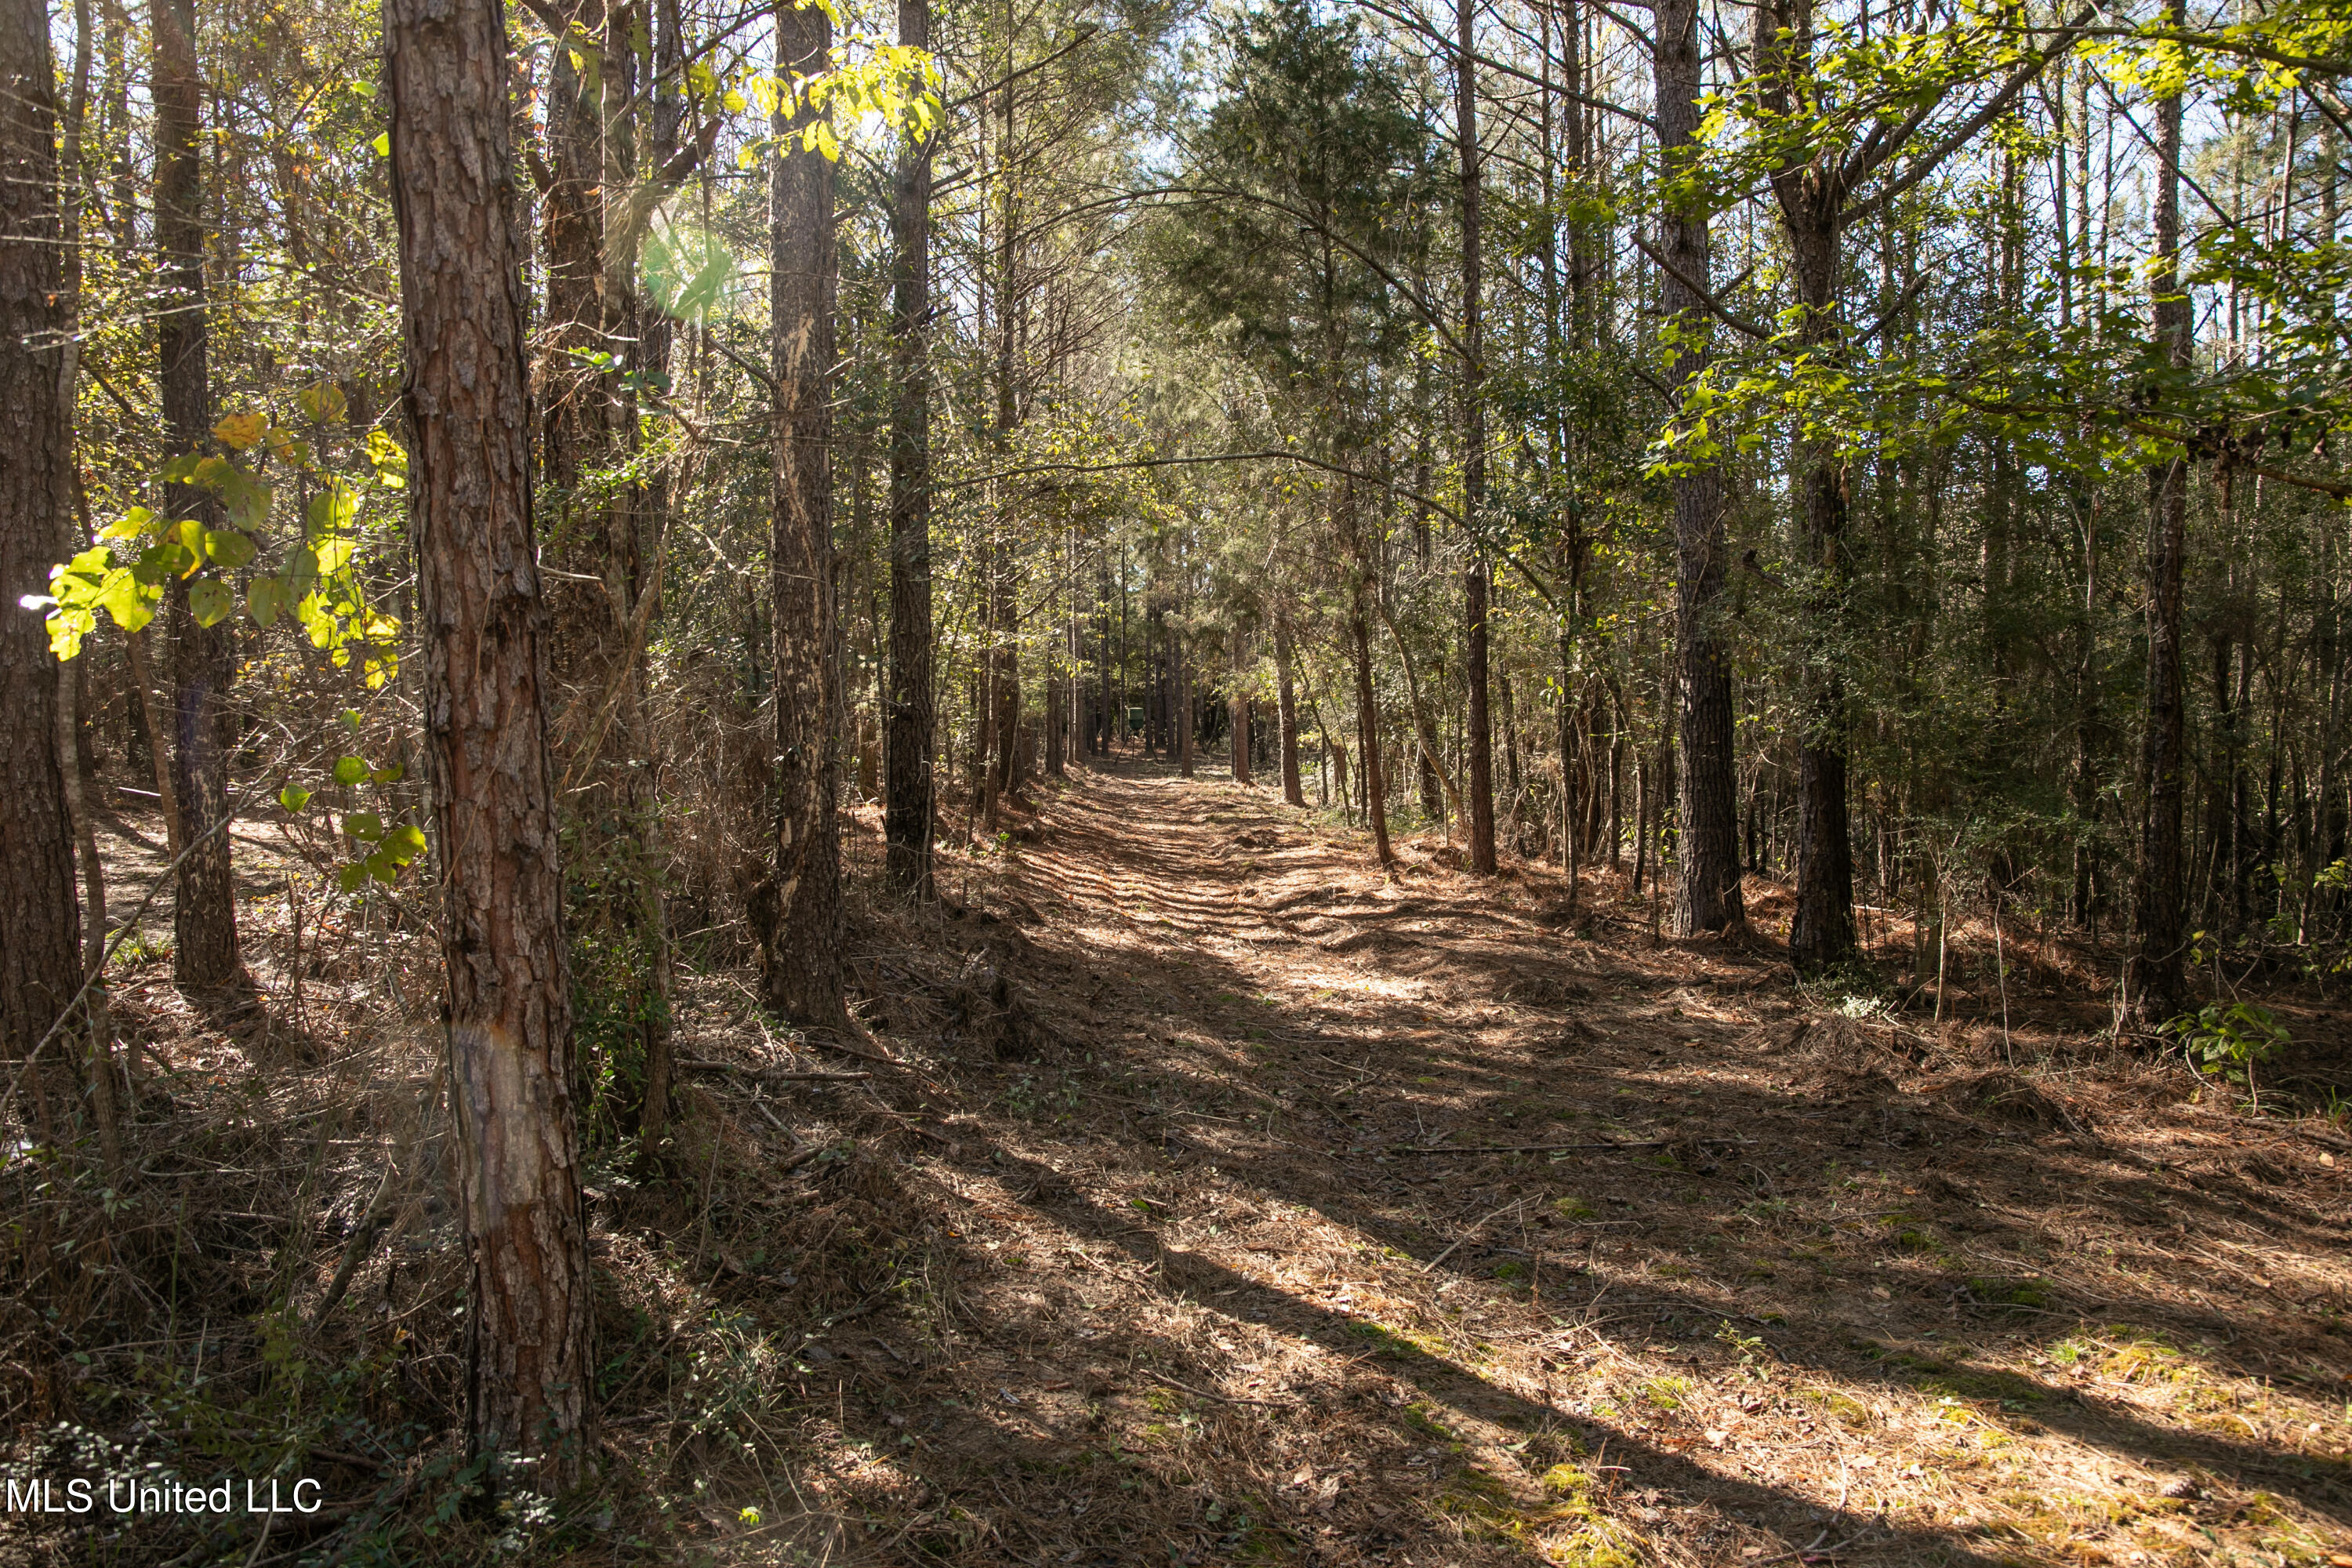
(1851,1411)
(1422,1417)
(1566,1482)
(1996,1292)
(1594,1546)
(1666,1393)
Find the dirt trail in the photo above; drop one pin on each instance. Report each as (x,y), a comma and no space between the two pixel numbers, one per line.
(1780,1279)
(1222,1200)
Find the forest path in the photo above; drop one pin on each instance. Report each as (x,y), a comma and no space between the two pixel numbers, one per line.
(1798,1281)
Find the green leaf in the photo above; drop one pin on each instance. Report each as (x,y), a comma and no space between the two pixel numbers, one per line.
(349,769)
(126,598)
(210,602)
(403,843)
(265,601)
(391,774)
(189,536)
(227,548)
(249,500)
(67,629)
(364,825)
(299,573)
(131,524)
(383,144)
(319,625)
(349,877)
(293,797)
(382,866)
(330,509)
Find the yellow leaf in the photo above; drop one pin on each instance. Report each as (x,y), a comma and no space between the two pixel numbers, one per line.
(241,430)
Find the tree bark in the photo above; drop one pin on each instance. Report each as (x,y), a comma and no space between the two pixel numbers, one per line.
(73,682)
(1287,710)
(1477,579)
(204,913)
(908,715)
(1812,196)
(1368,722)
(40,961)
(2155,987)
(483,623)
(1183,698)
(804,949)
(1239,705)
(1708,895)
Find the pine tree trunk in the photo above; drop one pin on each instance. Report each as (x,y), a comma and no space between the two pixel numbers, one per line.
(73,680)
(1183,698)
(1707,896)
(1368,722)
(1477,579)
(1287,710)
(40,959)
(908,715)
(1240,707)
(1820,928)
(2154,988)
(483,621)
(204,914)
(804,949)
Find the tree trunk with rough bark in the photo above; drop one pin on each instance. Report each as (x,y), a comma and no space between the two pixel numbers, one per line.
(1368,722)
(1183,702)
(2155,987)
(40,959)
(204,913)
(1707,894)
(1239,711)
(1812,195)
(1820,927)
(483,623)
(1478,578)
(906,822)
(1286,710)
(803,943)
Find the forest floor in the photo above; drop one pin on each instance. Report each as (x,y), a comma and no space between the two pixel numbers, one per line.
(1216,1198)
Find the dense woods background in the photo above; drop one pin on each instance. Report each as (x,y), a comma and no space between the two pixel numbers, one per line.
(515,522)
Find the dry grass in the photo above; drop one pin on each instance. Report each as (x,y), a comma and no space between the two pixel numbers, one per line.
(1127,1260)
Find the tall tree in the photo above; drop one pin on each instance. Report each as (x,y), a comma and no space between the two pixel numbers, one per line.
(204,912)
(1286,704)
(1831,167)
(1477,579)
(40,964)
(1708,898)
(906,712)
(803,943)
(484,625)
(1238,708)
(2153,979)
